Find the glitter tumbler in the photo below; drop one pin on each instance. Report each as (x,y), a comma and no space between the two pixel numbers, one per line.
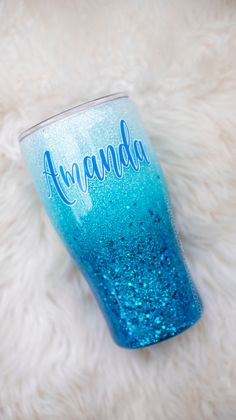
(102,186)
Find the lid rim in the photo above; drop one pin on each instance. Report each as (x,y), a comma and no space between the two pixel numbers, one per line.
(71,111)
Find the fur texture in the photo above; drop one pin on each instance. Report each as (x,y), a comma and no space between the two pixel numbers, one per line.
(177,60)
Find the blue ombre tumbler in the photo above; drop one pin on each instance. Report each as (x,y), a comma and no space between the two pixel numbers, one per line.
(102,186)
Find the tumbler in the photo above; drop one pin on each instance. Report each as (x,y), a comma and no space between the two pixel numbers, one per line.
(103,188)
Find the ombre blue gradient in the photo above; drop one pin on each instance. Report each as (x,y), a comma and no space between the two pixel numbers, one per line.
(120,231)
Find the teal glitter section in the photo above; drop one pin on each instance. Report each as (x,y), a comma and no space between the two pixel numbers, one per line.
(121,233)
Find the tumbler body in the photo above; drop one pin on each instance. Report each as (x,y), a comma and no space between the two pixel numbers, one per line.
(102,186)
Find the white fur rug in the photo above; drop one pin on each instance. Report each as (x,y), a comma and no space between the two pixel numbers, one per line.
(177,60)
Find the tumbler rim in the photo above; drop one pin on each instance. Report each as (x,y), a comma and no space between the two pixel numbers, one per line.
(70,111)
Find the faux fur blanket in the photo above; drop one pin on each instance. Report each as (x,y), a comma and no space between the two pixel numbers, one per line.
(177,60)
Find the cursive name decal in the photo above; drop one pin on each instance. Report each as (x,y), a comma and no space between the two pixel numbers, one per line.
(111,159)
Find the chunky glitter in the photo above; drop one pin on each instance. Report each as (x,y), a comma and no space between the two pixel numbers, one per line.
(120,231)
